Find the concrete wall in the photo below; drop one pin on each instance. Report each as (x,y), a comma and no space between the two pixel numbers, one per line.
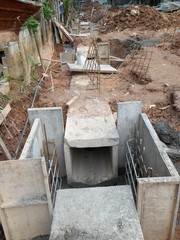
(157,197)
(25,202)
(128,115)
(157,206)
(16,61)
(12,60)
(34,143)
(53,120)
(154,155)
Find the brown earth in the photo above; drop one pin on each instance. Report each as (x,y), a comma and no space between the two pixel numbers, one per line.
(138,16)
(93,12)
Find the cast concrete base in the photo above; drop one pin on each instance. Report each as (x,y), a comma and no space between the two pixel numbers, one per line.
(103,213)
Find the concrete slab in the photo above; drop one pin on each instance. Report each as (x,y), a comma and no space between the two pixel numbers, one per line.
(91,124)
(79,68)
(103,213)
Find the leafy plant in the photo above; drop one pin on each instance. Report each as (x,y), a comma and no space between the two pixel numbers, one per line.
(4,99)
(33,70)
(47,9)
(32,24)
(8,77)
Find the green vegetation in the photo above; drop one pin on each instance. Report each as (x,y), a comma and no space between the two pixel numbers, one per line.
(4,99)
(47,9)
(33,70)
(32,24)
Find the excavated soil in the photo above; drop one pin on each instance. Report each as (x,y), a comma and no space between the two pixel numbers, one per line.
(138,17)
(93,12)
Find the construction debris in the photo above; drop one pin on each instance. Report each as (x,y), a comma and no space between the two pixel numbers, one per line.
(63,32)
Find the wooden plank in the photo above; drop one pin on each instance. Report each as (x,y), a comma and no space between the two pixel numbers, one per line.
(65,32)
(4,113)
(4,149)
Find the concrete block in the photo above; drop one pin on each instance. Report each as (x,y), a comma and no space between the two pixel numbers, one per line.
(103,50)
(25,201)
(64,67)
(128,115)
(69,48)
(4,87)
(91,144)
(104,53)
(53,120)
(91,125)
(74,30)
(67,57)
(101,213)
(34,144)
(94,32)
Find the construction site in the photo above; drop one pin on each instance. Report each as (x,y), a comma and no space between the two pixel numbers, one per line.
(89,120)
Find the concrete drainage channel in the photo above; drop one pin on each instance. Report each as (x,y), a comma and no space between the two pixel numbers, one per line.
(93,204)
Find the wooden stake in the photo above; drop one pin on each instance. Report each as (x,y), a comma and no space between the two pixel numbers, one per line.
(4,149)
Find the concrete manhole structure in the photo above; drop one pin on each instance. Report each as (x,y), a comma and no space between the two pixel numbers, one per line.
(90,154)
(91,144)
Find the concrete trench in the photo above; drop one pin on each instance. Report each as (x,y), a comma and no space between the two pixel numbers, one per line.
(96,202)
(91,152)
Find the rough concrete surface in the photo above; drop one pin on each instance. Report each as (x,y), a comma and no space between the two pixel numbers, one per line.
(103,213)
(127,116)
(90,124)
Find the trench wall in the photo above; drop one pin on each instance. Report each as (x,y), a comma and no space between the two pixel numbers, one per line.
(128,115)
(157,197)
(52,119)
(34,142)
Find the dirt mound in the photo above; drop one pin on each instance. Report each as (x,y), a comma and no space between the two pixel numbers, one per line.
(121,49)
(175,45)
(176,99)
(166,134)
(134,16)
(93,12)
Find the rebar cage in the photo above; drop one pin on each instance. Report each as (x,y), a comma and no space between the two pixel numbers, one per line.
(53,168)
(134,164)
